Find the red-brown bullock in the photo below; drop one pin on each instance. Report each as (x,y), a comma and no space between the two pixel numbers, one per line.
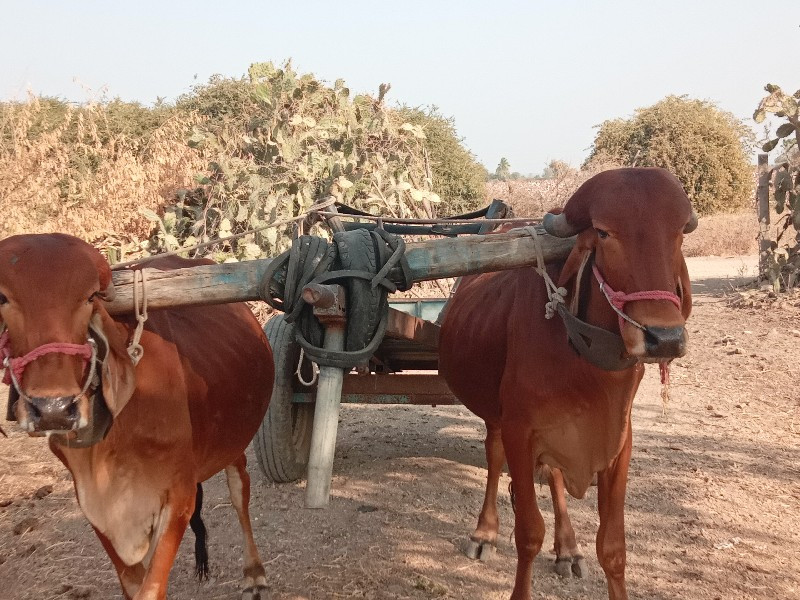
(562,398)
(140,440)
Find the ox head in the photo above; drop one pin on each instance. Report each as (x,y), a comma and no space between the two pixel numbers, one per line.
(58,340)
(630,225)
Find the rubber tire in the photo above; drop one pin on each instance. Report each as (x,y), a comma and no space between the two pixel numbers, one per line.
(283,440)
(365,305)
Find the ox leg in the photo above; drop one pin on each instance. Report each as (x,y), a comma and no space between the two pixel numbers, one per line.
(483,542)
(569,558)
(130,577)
(611,484)
(164,543)
(255,578)
(528,521)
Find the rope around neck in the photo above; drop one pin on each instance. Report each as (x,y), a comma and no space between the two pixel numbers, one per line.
(555,294)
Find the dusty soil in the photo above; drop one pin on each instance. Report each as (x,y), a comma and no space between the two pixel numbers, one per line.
(713,502)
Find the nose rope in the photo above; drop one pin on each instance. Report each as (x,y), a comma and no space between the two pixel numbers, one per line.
(15,367)
(618,300)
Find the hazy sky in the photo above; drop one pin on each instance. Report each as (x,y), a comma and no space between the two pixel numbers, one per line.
(524,80)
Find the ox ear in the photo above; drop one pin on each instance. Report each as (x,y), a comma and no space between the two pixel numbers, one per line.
(685,291)
(584,246)
(118,374)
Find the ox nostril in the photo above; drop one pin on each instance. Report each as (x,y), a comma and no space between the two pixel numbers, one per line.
(665,342)
(53,414)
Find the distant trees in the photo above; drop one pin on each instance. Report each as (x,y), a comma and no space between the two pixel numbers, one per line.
(503,170)
(705,147)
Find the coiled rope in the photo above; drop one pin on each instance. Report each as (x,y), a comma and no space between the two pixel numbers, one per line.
(360,260)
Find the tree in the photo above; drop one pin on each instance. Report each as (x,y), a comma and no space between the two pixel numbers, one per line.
(503,170)
(458,178)
(705,147)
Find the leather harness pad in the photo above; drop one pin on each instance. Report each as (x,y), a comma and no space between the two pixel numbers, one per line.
(599,347)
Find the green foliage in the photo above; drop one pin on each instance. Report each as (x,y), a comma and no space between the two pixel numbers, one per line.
(783,262)
(133,121)
(220,98)
(457,177)
(279,142)
(118,119)
(51,114)
(705,147)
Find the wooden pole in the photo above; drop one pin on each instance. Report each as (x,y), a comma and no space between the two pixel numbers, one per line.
(431,259)
(328,401)
(762,195)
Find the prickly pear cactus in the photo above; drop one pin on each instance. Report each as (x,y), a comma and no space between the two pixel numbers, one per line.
(291,141)
(783,264)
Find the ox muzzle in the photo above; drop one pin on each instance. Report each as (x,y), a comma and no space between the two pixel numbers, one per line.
(664,343)
(75,420)
(660,343)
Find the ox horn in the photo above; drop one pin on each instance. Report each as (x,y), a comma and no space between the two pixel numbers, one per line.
(558,226)
(108,292)
(692,224)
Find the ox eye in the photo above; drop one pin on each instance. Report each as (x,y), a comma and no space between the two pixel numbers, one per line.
(3,299)
(601,233)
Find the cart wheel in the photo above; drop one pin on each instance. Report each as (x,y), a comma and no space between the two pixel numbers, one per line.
(283,440)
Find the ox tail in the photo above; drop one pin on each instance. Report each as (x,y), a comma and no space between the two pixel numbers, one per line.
(200,537)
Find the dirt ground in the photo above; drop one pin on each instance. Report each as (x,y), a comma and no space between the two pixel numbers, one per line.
(713,507)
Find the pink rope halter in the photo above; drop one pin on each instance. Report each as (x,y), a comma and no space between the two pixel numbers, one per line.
(15,367)
(618,300)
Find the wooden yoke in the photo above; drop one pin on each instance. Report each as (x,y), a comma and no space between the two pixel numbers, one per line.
(431,259)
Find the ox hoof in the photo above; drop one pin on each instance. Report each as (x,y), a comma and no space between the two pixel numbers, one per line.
(482,551)
(257,592)
(579,568)
(567,566)
(563,566)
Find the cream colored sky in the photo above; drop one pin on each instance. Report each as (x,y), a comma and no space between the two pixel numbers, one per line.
(524,80)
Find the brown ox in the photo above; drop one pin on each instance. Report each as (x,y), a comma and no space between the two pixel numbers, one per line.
(542,401)
(138,443)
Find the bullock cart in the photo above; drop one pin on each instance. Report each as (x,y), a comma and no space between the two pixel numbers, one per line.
(398,360)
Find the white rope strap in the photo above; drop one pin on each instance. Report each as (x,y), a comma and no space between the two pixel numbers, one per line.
(555,294)
(135,350)
(299,371)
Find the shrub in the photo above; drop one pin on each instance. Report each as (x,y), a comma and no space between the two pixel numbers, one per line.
(705,147)
(75,169)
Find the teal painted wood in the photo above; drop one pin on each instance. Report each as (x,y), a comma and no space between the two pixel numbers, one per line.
(427,309)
